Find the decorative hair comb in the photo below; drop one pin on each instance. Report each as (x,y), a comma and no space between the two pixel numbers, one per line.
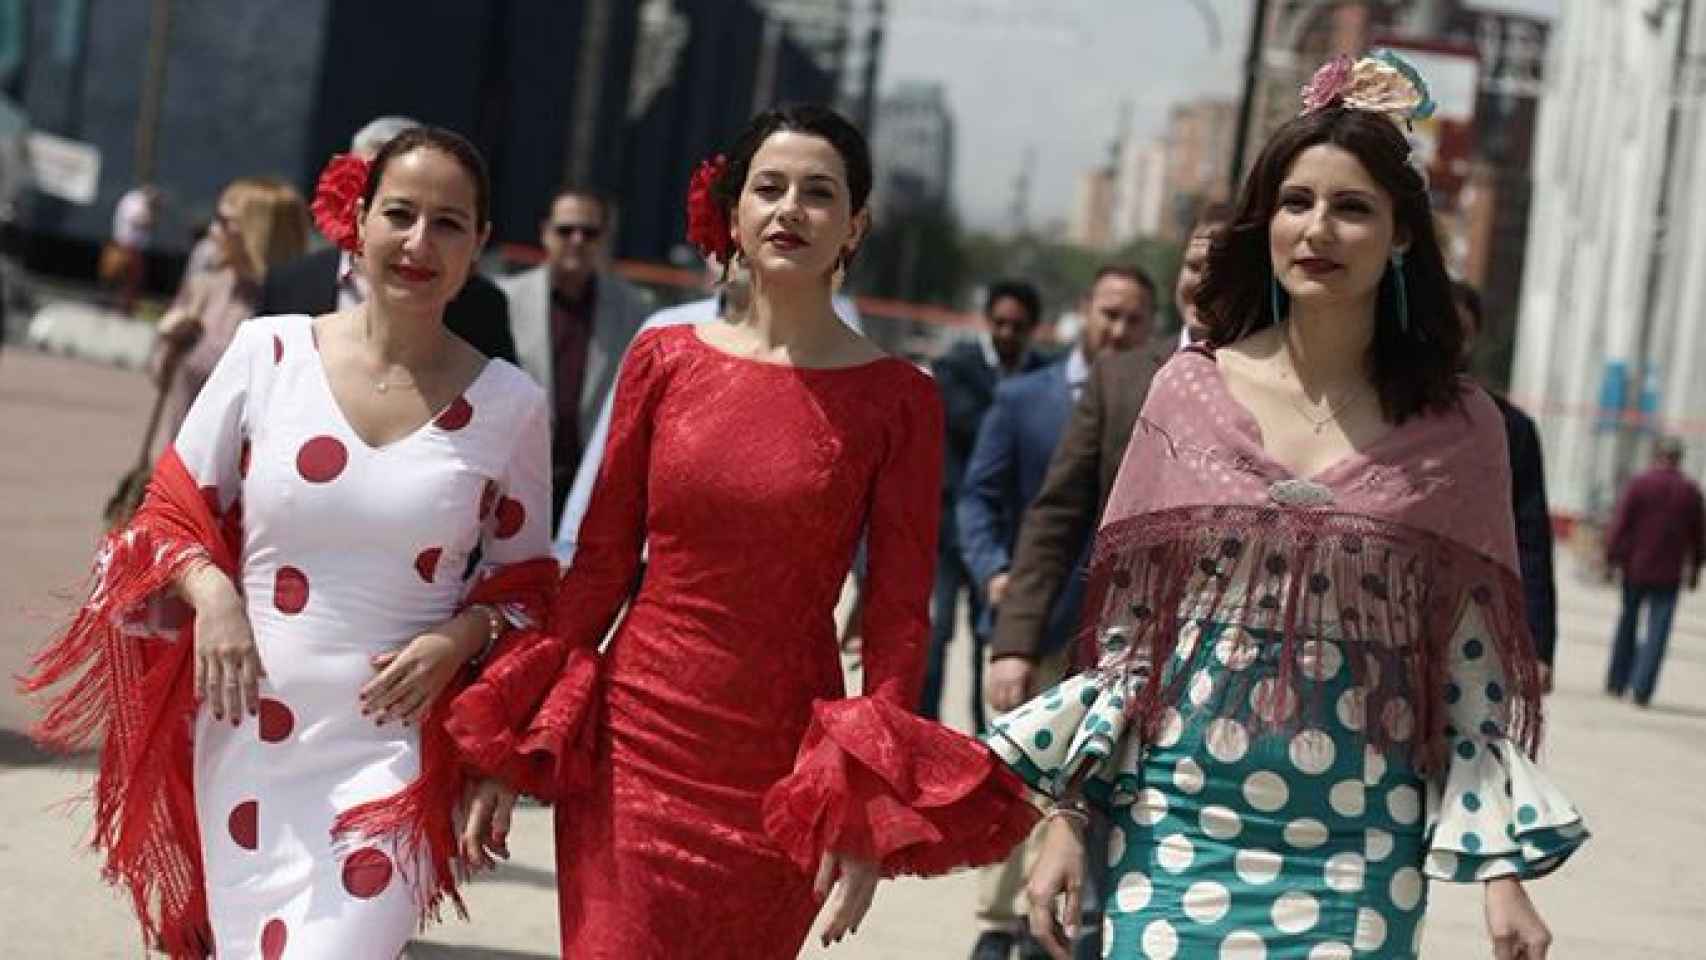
(1382,83)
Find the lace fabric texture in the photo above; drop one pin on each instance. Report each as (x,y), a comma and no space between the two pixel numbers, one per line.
(748,486)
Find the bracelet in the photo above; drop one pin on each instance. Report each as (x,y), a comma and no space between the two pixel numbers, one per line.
(494,630)
(1073,810)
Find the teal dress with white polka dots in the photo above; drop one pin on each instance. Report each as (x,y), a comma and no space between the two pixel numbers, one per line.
(1234,841)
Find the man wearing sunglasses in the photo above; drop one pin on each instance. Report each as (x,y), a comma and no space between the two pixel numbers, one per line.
(572,318)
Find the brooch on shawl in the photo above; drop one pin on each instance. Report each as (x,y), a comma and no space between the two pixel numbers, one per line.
(1299,493)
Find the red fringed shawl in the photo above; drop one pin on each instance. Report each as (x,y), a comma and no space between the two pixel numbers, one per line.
(1393,546)
(130,695)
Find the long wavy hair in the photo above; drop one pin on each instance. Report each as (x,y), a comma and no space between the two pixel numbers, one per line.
(1414,365)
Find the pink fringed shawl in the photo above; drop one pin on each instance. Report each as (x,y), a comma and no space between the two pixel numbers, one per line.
(1385,549)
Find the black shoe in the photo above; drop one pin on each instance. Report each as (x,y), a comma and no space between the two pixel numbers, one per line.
(993,945)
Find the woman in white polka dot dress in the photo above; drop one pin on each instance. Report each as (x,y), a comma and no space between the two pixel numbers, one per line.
(341,472)
(1314,690)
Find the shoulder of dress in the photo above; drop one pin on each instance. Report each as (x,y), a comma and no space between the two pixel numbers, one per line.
(1486,420)
(513,383)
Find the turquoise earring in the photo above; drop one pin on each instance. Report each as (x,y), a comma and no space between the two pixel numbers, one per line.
(1399,294)
(1279,298)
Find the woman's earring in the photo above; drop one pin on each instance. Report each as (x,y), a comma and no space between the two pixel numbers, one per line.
(1279,299)
(839,276)
(1400,296)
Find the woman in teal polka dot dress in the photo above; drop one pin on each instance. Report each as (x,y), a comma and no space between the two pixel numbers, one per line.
(1314,691)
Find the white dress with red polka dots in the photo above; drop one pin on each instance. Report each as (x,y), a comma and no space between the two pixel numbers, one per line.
(348,551)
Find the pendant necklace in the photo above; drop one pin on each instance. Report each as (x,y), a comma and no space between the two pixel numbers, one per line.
(1334,411)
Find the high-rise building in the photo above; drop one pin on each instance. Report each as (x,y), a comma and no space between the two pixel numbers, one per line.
(1092,221)
(1199,147)
(913,146)
(1140,195)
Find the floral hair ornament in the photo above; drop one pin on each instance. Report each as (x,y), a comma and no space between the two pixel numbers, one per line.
(707,221)
(336,197)
(1382,83)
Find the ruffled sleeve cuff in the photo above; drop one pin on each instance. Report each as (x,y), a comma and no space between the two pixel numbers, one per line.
(875,782)
(1079,727)
(529,718)
(1498,816)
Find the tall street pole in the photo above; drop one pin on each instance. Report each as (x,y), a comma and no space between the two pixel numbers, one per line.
(153,90)
(1247,104)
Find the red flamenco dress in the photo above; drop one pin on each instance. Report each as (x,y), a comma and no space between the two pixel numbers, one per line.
(727,756)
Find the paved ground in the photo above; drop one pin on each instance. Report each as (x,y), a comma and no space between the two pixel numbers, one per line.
(67,430)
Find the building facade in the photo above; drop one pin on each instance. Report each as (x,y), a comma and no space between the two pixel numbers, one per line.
(1609,343)
(623,97)
(912,143)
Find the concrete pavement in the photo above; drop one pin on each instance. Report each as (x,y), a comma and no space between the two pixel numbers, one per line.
(67,430)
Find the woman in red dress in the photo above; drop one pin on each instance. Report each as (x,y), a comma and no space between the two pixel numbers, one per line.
(746,459)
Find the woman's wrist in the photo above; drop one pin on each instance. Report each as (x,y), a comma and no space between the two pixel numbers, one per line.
(206,588)
(475,631)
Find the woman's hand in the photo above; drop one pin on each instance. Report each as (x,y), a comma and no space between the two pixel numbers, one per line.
(1514,925)
(1055,888)
(858,882)
(411,678)
(486,810)
(228,667)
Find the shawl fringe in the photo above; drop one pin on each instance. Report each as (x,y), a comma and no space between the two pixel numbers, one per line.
(1288,577)
(130,695)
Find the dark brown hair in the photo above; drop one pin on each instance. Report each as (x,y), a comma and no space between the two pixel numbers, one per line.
(448,142)
(1414,366)
(807,118)
(581,191)
(1124,271)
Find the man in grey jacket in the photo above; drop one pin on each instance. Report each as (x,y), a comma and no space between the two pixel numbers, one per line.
(572,318)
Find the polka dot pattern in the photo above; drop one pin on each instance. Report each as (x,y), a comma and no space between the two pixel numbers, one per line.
(1207,902)
(510,518)
(1296,912)
(366,873)
(290,590)
(1160,941)
(1243,945)
(243,824)
(426,563)
(1266,791)
(274,936)
(459,414)
(1254,827)
(276,721)
(1257,867)
(1227,740)
(322,459)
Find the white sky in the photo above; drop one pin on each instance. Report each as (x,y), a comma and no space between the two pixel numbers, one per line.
(1052,74)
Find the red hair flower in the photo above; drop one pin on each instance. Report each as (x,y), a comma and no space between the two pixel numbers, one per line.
(707,222)
(341,186)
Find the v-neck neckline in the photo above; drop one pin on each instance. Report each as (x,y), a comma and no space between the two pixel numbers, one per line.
(349,425)
(1251,428)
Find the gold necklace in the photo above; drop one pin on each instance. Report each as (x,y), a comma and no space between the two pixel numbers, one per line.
(1334,411)
(380,385)
(1320,423)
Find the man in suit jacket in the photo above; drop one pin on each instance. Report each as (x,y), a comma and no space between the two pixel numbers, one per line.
(1528,502)
(1062,518)
(327,280)
(967,375)
(1013,450)
(573,319)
